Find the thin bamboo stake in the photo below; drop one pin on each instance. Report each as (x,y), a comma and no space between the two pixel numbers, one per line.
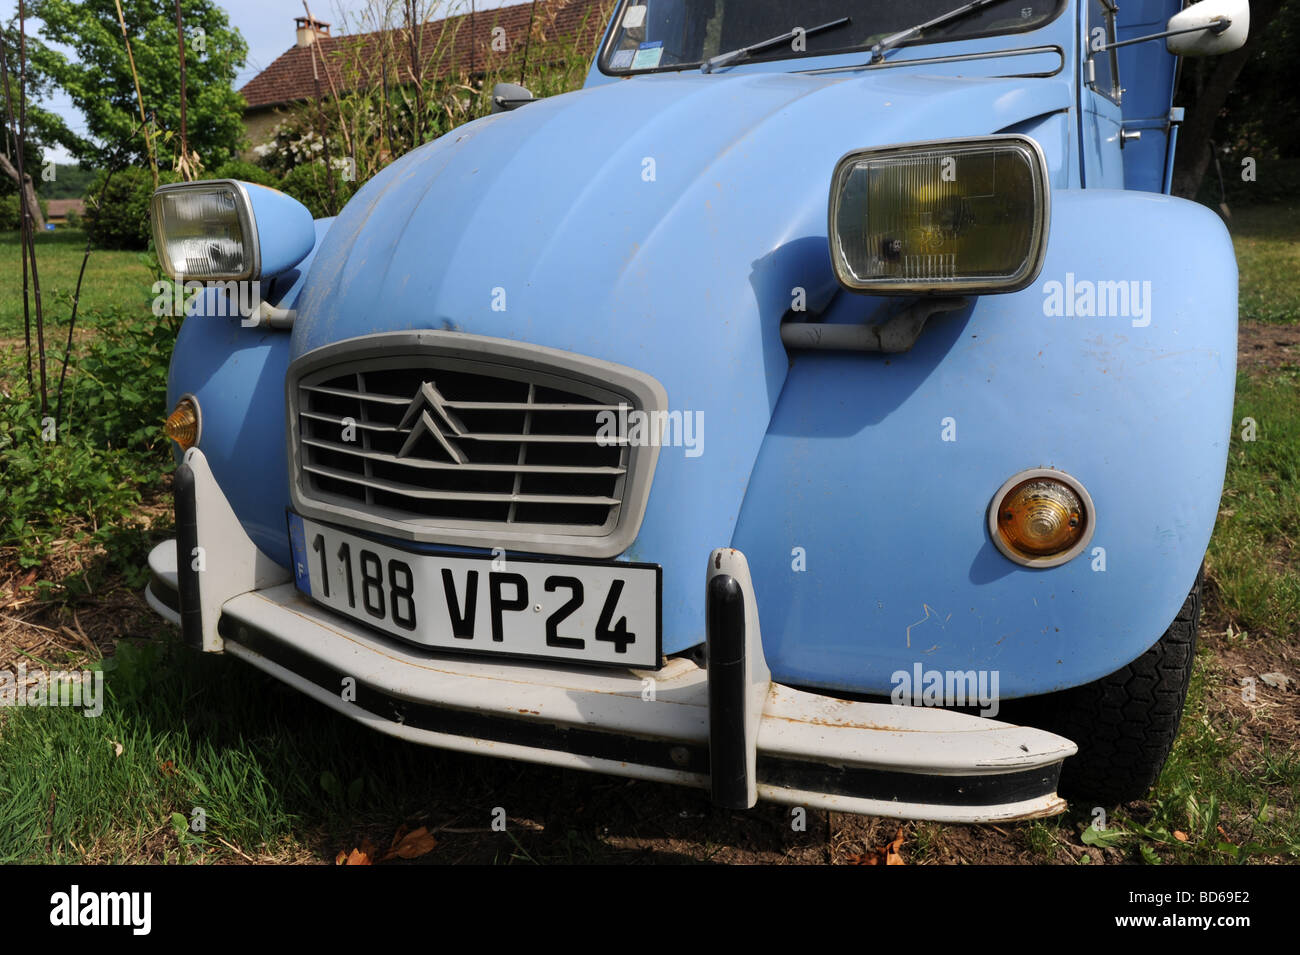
(148,140)
(184,165)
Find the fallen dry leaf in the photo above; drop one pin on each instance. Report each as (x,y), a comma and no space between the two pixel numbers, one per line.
(1180,835)
(887,854)
(362,856)
(117,748)
(410,845)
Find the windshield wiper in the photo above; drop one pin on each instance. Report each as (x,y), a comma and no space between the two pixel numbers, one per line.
(891,41)
(725,59)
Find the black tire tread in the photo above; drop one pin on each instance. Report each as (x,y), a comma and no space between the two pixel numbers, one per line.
(1125,724)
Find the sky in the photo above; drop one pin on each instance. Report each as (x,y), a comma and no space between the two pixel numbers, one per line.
(268,29)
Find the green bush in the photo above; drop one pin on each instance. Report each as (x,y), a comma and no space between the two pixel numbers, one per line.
(245,172)
(122,219)
(309,184)
(10,212)
(107,449)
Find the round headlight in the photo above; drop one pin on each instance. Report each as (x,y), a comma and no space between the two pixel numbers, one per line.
(1041,518)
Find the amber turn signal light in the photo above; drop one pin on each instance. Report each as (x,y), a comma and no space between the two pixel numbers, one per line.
(1041,518)
(182,425)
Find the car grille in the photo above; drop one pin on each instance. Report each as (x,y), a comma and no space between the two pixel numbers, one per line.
(461,445)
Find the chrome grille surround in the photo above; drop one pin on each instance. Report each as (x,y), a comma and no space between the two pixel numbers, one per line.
(470,441)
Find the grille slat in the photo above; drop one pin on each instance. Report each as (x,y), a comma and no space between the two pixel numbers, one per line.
(468,441)
(359,395)
(413,491)
(471,466)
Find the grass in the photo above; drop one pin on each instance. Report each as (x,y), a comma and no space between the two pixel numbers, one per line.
(1255,554)
(1267,242)
(112,279)
(194,733)
(277,778)
(1223,797)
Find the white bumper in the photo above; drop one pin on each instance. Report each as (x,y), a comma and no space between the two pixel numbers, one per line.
(764,740)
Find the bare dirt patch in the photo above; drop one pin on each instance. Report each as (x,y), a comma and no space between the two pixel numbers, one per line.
(1262,347)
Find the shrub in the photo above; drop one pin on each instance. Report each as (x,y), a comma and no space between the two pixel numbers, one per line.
(309,184)
(10,212)
(107,449)
(245,172)
(122,220)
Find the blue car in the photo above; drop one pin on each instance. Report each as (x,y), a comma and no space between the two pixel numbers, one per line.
(827,404)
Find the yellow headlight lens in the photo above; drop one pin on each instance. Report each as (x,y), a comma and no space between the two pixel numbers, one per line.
(182,425)
(961,216)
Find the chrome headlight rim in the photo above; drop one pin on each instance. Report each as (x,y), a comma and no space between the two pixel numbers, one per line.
(1053,560)
(975,286)
(247,223)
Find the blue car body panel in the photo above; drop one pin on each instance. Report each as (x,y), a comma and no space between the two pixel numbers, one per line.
(668,222)
(863,526)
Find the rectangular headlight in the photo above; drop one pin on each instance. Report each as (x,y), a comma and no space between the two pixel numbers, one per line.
(205,231)
(964,215)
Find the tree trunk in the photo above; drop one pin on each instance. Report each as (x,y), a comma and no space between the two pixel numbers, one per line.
(38,220)
(1193,158)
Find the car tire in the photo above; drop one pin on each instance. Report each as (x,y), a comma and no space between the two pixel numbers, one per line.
(1125,724)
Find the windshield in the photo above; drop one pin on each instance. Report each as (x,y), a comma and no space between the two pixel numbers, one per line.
(654,35)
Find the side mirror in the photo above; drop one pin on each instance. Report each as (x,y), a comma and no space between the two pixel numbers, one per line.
(1209,28)
(508,96)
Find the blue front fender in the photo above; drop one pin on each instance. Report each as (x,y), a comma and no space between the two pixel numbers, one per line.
(856,482)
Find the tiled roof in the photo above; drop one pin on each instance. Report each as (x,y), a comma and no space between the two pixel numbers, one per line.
(446,47)
(61,207)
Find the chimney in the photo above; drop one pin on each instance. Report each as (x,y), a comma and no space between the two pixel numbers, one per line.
(310,30)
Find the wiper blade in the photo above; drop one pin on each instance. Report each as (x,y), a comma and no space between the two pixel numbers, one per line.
(726,59)
(879,49)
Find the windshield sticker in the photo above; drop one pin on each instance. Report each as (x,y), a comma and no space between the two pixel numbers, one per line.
(648,56)
(633,18)
(621,59)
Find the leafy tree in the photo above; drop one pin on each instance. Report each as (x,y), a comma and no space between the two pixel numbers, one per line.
(98,78)
(118,217)
(1263,116)
(1206,88)
(42,126)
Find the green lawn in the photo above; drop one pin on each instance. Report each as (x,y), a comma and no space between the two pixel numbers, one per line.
(112,279)
(1255,552)
(1267,240)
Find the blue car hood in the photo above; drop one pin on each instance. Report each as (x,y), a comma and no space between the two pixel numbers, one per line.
(667,223)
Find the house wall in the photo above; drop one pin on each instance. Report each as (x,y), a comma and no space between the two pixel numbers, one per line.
(259,126)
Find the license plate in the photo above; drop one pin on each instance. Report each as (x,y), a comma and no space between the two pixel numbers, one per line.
(594,612)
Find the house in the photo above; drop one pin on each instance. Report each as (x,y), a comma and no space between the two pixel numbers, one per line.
(58,210)
(467,43)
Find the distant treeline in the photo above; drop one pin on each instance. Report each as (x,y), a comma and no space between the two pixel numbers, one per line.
(69,181)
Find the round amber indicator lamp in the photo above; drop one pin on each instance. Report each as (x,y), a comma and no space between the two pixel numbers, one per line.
(182,425)
(1041,518)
